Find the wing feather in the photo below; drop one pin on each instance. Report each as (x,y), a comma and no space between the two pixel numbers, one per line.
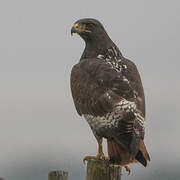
(98,89)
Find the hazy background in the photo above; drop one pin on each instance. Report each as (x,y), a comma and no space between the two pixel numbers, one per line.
(40,130)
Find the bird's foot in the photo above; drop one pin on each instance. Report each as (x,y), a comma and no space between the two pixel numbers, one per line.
(128,169)
(99,156)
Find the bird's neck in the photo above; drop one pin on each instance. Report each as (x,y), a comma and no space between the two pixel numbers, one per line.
(101,48)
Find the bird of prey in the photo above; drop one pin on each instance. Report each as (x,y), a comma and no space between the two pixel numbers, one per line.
(107,91)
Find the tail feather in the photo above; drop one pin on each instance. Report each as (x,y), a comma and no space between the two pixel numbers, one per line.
(143,149)
(119,155)
(143,156)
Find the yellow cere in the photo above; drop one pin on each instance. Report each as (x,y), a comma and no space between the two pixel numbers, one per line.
(76,25)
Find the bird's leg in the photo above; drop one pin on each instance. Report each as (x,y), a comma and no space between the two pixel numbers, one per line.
(100,154)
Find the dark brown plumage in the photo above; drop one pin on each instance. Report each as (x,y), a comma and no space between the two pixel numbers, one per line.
(107,91)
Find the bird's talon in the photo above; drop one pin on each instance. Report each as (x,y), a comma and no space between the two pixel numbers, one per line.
(97,157)
(128,169)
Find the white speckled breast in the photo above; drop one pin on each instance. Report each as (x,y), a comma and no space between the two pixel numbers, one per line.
(100,125)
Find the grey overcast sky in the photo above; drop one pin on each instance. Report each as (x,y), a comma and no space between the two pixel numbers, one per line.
(40,129)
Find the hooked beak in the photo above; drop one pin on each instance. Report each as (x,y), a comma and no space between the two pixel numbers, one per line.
(73,30)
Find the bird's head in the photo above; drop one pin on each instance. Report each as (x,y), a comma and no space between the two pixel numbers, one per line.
(89,29)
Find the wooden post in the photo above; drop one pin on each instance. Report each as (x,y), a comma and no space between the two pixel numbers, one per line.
(58,175)
(102,170)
